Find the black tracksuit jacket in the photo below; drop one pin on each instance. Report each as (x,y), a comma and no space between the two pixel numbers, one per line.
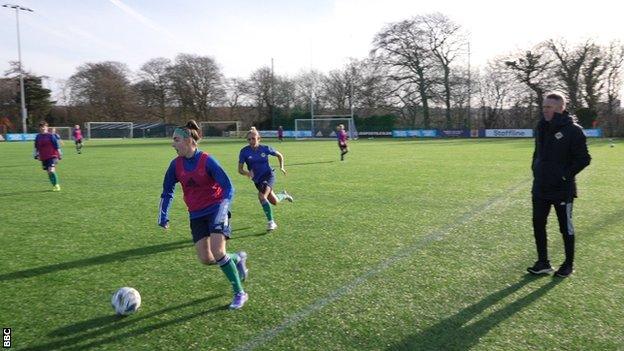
(560,154)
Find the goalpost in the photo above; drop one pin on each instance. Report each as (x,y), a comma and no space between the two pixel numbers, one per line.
(324,126)
(64,132)
(220,129)
(109,130)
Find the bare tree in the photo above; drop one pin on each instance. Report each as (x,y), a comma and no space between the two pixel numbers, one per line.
(404,48)
(102,88)
(593,71)
(569,61)
(308,90)
(532,69)
(494,90)
(154,87)
(197,84)
(336,88)
(261,92)
(236,90)
(447,42)
(614,63)
(371,88)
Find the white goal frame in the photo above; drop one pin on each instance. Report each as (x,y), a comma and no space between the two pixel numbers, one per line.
(68,129)
(207,123)
(89,124)
(347,120)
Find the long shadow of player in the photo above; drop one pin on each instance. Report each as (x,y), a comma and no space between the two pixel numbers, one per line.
(102,259)
(86,331)
(308,163)
(18,193)
(456,333)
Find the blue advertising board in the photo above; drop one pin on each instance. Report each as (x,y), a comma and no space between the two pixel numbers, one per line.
(415,133)
(593,133)
(454,133)
(20,136)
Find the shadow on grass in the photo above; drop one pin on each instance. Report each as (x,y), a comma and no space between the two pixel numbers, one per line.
(120,326)
(458,333)
(103,259)
(604,221)
(249,235)
(308,163)
(91,261)
(25,192)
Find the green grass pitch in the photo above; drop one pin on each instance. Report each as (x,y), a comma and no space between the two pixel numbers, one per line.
(406,245)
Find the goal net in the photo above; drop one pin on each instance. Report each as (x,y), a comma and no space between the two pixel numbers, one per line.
(97,130)
(324,127)
(220,129)
(64,132)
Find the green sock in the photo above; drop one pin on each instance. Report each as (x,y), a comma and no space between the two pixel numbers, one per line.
(53,178)
(230,271)
(234,257)
(268,211)
(280,197)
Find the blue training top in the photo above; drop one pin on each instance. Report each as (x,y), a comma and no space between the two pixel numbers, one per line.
(213,168)
(257,160)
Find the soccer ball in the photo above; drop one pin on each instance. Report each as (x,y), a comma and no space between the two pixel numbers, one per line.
(126,301)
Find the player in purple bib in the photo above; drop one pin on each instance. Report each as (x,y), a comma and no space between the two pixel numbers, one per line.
(256,157)
(208,193)
(77,136)
(48,151)
(342,137)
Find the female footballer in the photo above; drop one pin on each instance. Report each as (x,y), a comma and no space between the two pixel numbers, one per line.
(77,136)
(48,151)
(342,137)
(208,193)
(256,157)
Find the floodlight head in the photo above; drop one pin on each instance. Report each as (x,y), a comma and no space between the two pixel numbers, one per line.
(17,7)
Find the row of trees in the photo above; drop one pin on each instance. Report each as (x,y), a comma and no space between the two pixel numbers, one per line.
(418,74)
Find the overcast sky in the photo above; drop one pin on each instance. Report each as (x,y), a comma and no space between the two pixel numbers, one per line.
(244,35)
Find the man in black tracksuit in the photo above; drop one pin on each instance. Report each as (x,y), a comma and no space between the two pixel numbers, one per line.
(560,154)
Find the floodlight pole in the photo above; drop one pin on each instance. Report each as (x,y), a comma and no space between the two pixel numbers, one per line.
(19,62)
(469,90)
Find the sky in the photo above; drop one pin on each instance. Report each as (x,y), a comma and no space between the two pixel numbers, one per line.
(243,35)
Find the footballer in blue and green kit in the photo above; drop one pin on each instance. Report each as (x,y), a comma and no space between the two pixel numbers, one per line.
(256,158)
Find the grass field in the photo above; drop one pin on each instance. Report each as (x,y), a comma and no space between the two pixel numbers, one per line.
(407,245)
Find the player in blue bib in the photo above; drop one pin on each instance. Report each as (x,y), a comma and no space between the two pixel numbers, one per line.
(256,157)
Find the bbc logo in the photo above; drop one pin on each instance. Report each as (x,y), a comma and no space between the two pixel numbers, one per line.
(6,338)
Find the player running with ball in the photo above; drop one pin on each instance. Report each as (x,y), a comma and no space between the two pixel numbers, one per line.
(208,193)
(256,157)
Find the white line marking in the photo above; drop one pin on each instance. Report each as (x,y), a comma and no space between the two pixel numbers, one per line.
(269,334)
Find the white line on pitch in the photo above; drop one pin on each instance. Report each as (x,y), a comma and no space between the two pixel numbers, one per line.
(269,334)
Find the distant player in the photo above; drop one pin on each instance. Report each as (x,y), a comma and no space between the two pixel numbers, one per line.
(208,193)
(48,151)
(57,136)
(256,157)
(77,136)
(280,133)
(342,137)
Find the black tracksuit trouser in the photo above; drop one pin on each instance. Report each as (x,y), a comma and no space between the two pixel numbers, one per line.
(541,209)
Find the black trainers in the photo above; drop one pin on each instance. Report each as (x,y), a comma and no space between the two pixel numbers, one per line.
(565,270)
(541,267)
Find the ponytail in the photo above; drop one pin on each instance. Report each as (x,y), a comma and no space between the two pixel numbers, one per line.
(189,130)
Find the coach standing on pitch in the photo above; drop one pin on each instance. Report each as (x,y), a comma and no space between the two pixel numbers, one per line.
(560,154)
